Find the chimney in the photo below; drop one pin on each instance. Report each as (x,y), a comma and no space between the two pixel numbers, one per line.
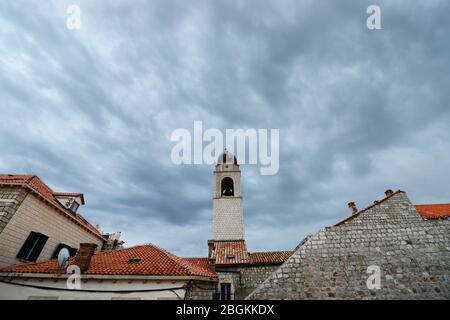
(83,257)
(210,248)
(212,264)
(388,192)
(353,207)
(211,260)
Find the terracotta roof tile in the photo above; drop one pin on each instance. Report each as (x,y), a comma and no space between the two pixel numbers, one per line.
(433,211)
(230,252)
(274,257)
(200,262)
(38,186)
(153,261)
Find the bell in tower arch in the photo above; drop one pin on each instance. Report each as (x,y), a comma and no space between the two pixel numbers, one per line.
(227,187)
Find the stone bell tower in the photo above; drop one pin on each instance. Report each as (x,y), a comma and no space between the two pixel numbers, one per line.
(228,217)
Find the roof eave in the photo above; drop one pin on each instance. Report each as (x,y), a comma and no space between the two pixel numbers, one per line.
(56,276)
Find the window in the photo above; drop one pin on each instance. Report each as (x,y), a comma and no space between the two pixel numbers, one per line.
(74,207)
(227,187)
(33,246)
(225,291)
(72,251)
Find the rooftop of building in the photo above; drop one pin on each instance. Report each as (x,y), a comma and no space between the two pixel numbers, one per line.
(236,253)
(41,189)
(426,211)
(433,211)
(142,260)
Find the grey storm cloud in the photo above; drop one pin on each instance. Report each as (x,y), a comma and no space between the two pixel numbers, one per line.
(359,110)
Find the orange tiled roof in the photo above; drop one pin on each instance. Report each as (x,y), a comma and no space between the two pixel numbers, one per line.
(154,261)
(230,252)
(433,211)
(39,187)
(235,252)
(200,262)
(274,257)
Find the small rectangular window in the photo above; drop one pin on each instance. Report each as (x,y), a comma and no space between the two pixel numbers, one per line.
(74,207)
(32,247)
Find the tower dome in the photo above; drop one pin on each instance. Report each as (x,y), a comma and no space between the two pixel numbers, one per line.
(227,158)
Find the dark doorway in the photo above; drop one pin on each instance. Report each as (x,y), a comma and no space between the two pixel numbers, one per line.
(225,291)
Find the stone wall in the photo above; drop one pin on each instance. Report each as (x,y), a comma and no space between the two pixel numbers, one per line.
(203,290)
(10,200)
(412,254)
(245,279)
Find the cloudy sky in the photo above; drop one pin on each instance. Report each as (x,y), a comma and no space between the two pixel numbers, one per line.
(359,111)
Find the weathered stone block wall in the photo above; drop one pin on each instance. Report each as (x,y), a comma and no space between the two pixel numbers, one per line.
(252,277)
(232,277)
(203,290)
(245,279)
(10,200)
(413,256)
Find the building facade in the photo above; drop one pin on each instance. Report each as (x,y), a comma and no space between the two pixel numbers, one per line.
(36,222)
(390,250)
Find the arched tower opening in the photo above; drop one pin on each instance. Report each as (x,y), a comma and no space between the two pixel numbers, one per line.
(228,215)
(227,187)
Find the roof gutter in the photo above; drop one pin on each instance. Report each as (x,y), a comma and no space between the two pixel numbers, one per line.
(56,276)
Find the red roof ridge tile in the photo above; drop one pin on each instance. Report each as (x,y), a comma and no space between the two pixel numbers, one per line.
(269,257)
